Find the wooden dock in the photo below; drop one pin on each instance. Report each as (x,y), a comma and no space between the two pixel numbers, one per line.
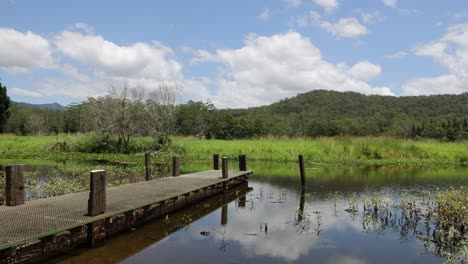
(43,226)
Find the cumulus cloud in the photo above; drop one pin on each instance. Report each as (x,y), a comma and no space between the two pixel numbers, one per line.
(23,52)
(364,70)
(451,51)
(390,3)
(139,60)
(327,5)
(141,64)
(264,14)
(348,27)
(269,68)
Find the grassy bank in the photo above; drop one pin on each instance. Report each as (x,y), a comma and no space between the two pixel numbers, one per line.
(343,150)
(331,150)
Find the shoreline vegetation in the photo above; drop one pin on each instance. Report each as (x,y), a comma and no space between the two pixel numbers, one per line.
(326,150)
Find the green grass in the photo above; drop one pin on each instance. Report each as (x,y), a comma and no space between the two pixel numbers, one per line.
(344,150)
(341,150)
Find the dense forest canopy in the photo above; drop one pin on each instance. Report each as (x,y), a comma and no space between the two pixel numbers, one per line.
(312,114)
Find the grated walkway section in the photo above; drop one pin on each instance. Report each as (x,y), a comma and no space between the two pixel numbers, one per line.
(44,217)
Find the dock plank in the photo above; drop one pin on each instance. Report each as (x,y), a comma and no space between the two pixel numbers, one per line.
(44,217)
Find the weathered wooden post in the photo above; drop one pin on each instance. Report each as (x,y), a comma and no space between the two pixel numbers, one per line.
(242,163)
(14,192)
(97,193)
(302,170)
(224,215)
(225,167)
(216,162)
(175,166)
(148,166)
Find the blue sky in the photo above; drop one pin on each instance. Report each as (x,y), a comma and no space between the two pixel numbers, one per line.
(234,53)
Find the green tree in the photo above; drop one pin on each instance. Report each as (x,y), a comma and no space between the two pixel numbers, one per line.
(4,106)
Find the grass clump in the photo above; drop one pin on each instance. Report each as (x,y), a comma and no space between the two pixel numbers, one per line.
(452,213)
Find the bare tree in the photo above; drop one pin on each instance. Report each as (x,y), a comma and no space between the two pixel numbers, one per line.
(35,124)
(161,109)
(119,113)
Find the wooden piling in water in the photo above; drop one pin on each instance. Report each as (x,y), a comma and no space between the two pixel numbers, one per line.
(148,166)
(175,166)
(216,162)
(302,170)
(225,167)
(14,192)
(97,193)
(242,163)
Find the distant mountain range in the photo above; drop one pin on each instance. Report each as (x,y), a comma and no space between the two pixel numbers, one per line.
(53,106)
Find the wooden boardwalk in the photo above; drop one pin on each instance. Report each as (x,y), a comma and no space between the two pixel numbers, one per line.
(51,217)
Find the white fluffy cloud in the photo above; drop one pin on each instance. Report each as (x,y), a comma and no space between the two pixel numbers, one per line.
(140,64)
(269,68)
(139,60)
(451,51)
(23,52)
(364,70)
(390,3)
(348,27)
(328,5)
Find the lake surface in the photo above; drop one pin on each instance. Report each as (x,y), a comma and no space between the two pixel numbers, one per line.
(277,222)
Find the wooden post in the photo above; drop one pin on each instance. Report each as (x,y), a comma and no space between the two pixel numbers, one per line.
(175,166)
(216,162)
(302,170)
(224,215)
(14,192)
(148,166)
(225,167)
(242,163)
(97,193)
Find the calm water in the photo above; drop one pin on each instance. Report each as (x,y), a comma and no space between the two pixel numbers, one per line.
(277,223)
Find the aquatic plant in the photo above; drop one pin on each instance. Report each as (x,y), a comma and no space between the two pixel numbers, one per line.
(440,221)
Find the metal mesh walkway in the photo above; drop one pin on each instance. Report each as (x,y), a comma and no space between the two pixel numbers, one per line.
(40,218)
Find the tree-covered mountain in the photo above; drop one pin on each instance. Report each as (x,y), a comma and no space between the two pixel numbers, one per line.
(330,113)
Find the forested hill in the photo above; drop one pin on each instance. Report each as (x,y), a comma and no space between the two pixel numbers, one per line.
(330,113)
(338,105)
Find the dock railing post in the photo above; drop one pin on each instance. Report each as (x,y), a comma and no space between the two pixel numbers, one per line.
(148,166)
(225,167)
(216,162)
(242,163)
(302,170)
(175,166)
(14,192)
(97,193)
